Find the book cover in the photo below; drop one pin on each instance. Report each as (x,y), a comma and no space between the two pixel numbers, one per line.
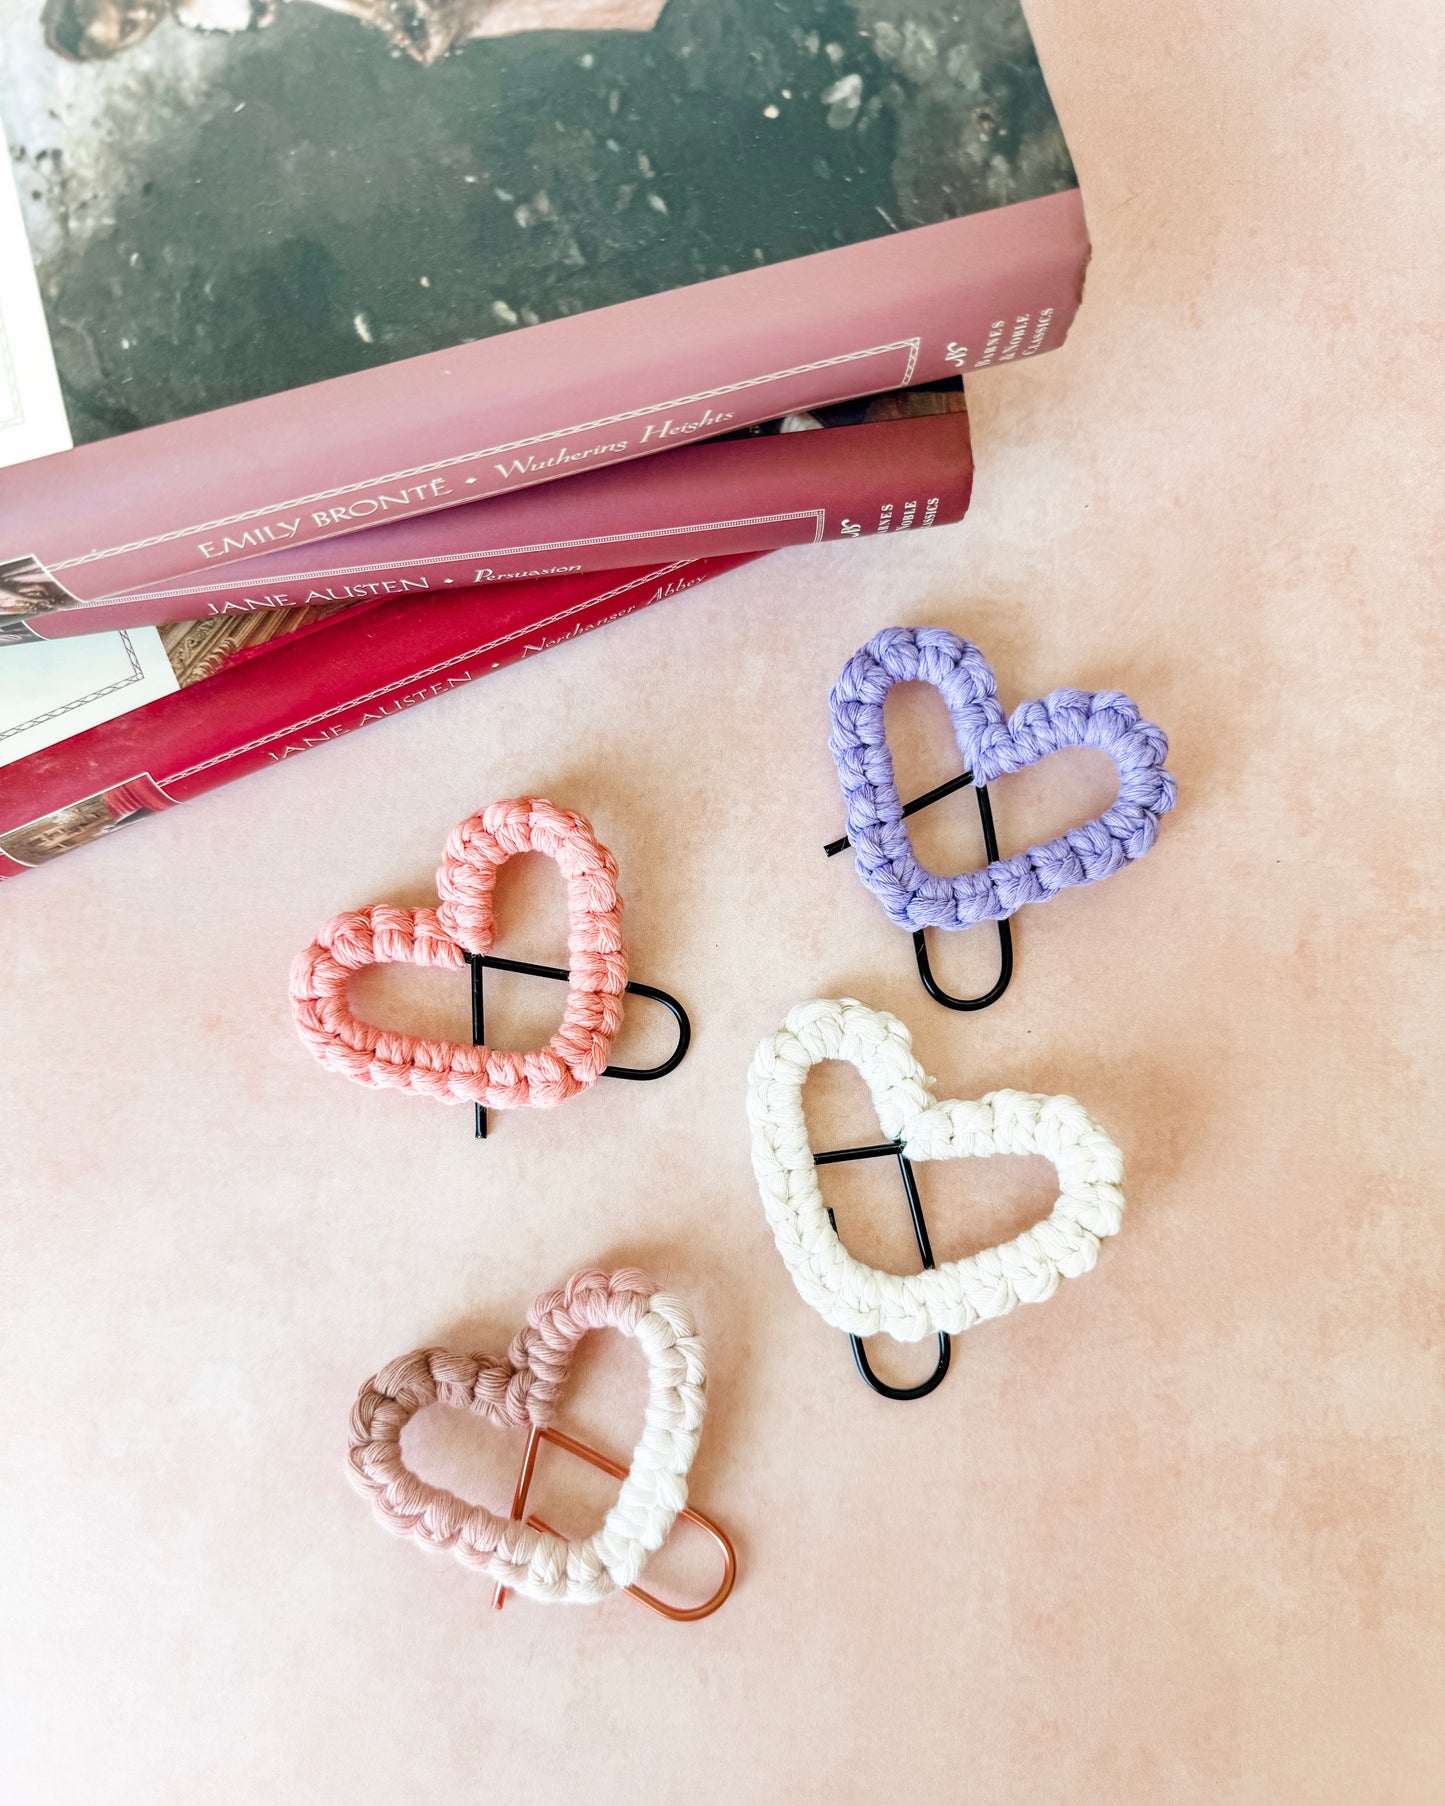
(891,463)
(420,251)
(328,678)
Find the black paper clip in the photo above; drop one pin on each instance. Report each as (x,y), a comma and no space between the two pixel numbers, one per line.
(1005,930)
(480,961)
(920,1233)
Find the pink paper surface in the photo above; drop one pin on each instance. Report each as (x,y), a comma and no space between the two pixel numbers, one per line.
(1174,1536)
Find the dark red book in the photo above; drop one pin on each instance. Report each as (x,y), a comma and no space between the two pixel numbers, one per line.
(338,674)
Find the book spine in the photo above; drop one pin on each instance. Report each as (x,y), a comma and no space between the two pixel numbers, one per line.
(520,408)
(312,689)
(711,500)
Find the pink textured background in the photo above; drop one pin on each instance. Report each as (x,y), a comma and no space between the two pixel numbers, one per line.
(1177,1535)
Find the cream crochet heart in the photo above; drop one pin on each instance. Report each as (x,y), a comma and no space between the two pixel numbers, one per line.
(863,1300)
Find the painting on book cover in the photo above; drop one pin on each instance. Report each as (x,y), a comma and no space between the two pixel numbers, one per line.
(28,589)
(229,198)
(79,823)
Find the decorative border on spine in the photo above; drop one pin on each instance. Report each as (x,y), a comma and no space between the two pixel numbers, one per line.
(910,347)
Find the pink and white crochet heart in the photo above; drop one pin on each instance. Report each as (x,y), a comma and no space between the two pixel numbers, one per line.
(519,1389)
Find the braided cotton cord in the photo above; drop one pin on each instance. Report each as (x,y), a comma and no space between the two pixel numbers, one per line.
(452,1071)
(522,1389)
(991,746)
(951,1298)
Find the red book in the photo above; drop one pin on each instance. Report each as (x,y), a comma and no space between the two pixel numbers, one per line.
(741,494)
(357,666)
(382,260)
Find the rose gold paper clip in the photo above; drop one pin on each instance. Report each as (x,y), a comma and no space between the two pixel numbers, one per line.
(678,1613)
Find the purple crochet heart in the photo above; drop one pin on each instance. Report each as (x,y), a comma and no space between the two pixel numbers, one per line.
(1107,719)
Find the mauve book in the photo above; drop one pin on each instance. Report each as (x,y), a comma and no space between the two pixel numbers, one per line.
(301,268)
(894,463)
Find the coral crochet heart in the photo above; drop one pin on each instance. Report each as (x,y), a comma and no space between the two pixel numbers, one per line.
(522,1389)
(953,1297)
(452,1071)
(916,898)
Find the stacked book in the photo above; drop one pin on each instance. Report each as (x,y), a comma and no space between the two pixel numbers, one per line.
(349,353)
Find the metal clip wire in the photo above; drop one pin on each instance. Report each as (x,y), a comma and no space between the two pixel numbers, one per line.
(925,1249)
(480,961)
(679,1614)
(920,945)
